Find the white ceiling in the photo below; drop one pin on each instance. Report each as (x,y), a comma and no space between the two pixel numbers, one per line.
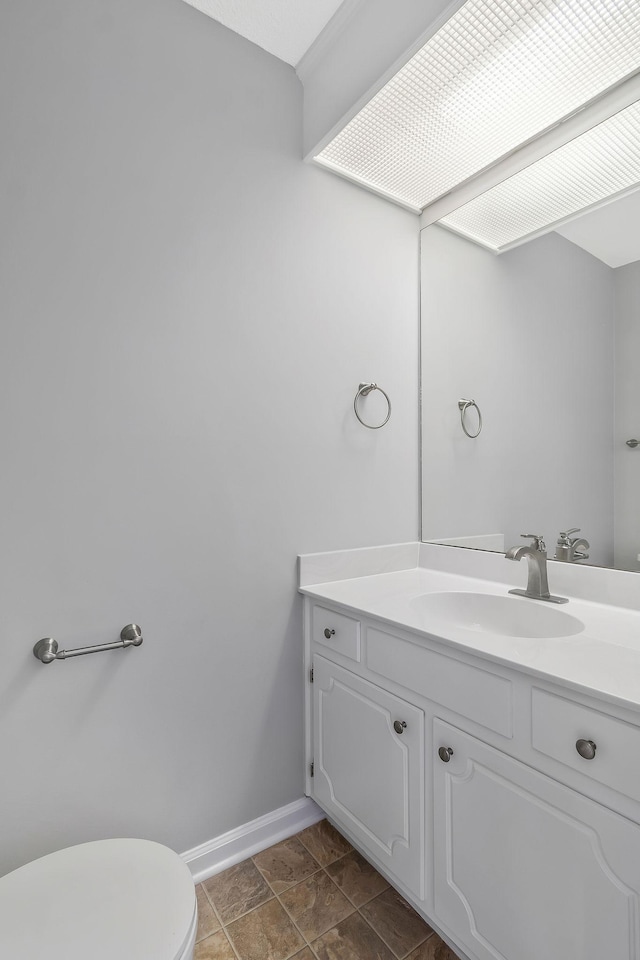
(610,233)
(285,28)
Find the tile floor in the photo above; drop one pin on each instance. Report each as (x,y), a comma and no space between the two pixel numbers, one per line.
(311,897)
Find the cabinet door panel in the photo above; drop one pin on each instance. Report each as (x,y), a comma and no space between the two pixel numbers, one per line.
(526,868)
(369,776)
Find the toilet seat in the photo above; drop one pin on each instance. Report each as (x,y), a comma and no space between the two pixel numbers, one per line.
(108,900)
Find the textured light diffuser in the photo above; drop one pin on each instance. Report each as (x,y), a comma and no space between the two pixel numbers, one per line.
(589,170)
(496,75)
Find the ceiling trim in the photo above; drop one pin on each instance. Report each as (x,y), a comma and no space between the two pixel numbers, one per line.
(361,182)
(327,37)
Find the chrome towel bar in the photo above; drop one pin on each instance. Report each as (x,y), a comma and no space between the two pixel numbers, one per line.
(46,650)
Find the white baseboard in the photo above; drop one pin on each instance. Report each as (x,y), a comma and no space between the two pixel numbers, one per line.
(241,843)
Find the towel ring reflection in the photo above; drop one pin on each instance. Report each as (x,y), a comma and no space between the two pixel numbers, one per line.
(363,391)
(463,406)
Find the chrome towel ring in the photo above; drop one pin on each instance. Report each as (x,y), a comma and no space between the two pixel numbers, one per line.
(463,406)
(363,391)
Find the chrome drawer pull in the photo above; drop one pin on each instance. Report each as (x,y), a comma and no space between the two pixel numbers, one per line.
(329,633)
(445,754)
(586,749)
(399,726)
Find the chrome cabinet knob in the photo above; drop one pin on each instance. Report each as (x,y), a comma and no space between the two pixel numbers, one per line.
(399,726)
(329,633)
(586,749)
(445,754)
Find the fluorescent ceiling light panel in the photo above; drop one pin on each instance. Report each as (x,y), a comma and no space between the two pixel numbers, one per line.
(496,75)
(588,171)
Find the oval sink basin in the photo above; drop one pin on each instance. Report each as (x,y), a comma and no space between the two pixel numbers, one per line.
(487,613)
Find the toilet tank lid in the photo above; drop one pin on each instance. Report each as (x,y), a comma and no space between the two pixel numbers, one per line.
(130,899)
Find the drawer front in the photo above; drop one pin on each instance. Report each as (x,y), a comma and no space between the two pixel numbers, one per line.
(469,691)
(336,631)
(558,724)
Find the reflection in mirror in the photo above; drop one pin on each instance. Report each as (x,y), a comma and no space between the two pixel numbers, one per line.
(545,338)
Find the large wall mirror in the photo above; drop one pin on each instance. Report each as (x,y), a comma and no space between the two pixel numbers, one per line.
(545,338)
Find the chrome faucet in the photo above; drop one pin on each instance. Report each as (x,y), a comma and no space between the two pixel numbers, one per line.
(571,549)
(537,583)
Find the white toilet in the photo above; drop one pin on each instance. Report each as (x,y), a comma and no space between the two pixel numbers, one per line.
(107,900)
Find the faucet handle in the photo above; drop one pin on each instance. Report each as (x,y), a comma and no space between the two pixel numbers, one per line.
(567,533)
(538,540)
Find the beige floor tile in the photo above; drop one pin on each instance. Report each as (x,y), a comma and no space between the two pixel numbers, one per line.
(396,922)
(353,939)
(265,934)
(216,947)
(433,949)
(315,905)
(324,842)
(357,879)
(207,920)
(285,864)
(237,890)
(304,955)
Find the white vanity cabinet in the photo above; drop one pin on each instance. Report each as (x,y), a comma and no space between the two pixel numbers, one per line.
(525,867)
(369,768)
(460,780)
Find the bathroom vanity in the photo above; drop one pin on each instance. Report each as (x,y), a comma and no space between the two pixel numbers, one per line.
(481,750)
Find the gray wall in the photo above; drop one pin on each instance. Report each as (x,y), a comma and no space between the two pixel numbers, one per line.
(529,335)
(627,462)
(187,310)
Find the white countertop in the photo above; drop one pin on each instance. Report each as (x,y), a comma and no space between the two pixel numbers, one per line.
(603,660)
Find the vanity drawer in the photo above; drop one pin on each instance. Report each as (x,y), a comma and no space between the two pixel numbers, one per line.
(558,724)
(336,631)
(467,690)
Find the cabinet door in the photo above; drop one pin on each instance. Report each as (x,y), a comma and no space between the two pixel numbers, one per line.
(526,868)
(369,775)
